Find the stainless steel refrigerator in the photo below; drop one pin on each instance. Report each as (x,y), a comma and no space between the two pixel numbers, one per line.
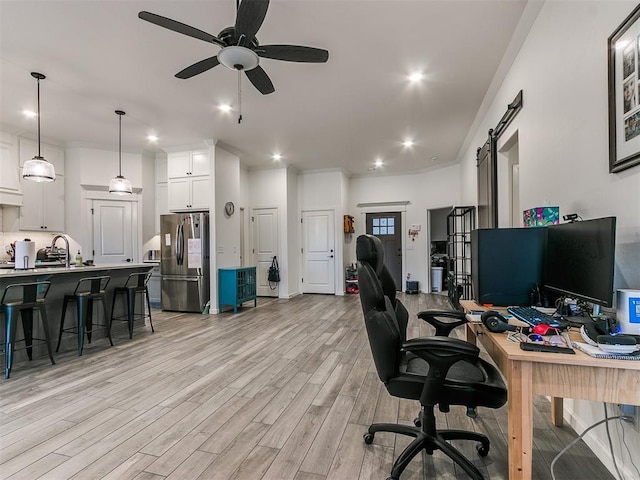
(184,261)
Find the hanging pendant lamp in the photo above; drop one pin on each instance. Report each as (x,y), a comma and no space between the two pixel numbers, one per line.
(38,169)
(120,185)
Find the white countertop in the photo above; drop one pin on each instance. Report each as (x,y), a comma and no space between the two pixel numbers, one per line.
(9,273)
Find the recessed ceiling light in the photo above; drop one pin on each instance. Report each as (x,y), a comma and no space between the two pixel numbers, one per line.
(29,113)
(224,107)
(277,157)
(152,138)
(416,77)
(408,143)
(379,163)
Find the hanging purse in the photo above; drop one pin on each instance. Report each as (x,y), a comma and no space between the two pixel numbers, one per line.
(274,273)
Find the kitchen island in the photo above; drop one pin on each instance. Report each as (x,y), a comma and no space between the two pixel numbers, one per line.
(63,281)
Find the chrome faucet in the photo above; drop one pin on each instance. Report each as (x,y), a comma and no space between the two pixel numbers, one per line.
(66,245)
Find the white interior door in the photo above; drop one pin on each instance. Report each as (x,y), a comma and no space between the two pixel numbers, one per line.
(264,222)
(112,231)
(318,253)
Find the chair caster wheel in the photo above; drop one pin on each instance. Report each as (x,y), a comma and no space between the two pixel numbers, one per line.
(482,450)
(417,422)
(368,438)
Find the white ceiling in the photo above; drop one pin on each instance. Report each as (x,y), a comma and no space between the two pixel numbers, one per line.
(98,56)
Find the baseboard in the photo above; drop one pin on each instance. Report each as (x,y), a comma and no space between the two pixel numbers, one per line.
(596,440)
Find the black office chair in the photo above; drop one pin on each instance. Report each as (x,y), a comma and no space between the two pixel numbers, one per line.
(369,249)
(436,370)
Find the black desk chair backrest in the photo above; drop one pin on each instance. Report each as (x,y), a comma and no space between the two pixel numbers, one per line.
(369,251)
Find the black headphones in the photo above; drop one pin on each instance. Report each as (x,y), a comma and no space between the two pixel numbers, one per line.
(495,322)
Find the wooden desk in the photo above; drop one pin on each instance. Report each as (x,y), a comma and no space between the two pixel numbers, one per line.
(556,375)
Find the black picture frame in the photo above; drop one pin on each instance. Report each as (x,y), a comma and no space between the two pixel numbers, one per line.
(623,57)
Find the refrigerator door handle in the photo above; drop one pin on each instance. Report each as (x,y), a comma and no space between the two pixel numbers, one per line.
(179,278)
(179,244)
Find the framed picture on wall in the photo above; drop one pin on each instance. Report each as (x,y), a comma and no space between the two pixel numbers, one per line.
(624,94)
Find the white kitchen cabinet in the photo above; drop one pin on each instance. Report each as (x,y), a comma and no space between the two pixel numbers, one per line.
(162,202)
(154,286)
(10,192)
(188,164)
(43,205)
(188,181)
(188,193)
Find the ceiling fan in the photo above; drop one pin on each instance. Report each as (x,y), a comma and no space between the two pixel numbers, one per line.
(240,48)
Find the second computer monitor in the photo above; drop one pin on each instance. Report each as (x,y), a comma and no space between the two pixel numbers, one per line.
(506,265)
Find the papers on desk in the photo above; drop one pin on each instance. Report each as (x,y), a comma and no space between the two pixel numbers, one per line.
(597,352)
(473,318)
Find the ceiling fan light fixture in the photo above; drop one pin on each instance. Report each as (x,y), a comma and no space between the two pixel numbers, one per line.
(120,185)
(238,58)
(38,169)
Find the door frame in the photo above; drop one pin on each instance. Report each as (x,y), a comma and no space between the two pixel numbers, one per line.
(136,214)
(252,239)
(388,207)
(338,277)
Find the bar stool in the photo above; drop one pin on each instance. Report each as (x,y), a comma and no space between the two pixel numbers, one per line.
(136,283)
(87,291)
(25,298)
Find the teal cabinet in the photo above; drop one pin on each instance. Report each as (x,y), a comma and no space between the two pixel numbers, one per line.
(236,285)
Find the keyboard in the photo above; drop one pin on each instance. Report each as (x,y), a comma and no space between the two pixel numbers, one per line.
(535,317)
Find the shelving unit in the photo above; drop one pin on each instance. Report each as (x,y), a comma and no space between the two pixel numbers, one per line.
(460,222)
(236,286)
(351,279)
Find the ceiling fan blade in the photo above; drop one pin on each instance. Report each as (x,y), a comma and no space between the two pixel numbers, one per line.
(180,28)
(250,16)
(198,67)
(260,80)
(293,53)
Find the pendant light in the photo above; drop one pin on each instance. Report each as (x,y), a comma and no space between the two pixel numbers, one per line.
(38,169)
(120,185)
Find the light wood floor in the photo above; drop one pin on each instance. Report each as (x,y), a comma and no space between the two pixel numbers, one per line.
(282,391)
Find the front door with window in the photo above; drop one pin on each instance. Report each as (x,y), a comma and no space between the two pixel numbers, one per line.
(387,227)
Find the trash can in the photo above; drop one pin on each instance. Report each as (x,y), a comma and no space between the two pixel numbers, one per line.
(436,279)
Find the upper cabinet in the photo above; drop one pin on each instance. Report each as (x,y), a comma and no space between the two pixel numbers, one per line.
(10,192)
(42,203)
(186,164)
(188,180)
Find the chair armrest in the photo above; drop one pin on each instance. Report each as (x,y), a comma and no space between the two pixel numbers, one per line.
(443,329)
(440,353)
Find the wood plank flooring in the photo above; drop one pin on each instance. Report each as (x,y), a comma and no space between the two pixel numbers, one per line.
(283,391)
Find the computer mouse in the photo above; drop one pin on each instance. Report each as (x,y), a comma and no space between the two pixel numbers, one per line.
(544,329)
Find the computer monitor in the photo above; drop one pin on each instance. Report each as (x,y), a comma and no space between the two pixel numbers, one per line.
(580,260)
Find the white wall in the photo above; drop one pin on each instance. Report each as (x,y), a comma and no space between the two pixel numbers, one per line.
(563,152)
(268,189)
(293,234)
(326,190)
(227,178)
(424,191)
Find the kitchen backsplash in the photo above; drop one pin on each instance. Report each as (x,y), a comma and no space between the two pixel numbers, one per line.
(42,240)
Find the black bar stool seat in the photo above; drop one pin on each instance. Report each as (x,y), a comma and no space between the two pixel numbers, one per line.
(25,298)
(135,284)
(87,291)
